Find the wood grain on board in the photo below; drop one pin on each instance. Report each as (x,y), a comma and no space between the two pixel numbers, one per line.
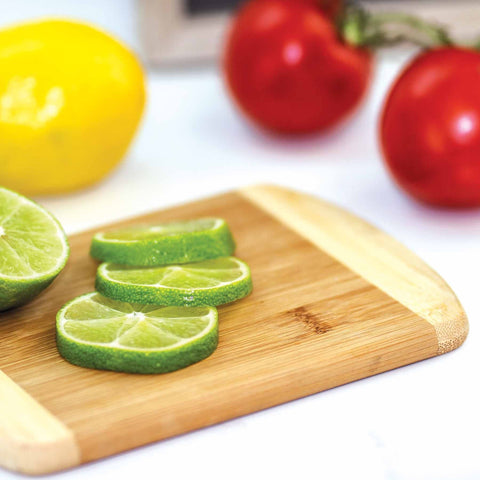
(334,301)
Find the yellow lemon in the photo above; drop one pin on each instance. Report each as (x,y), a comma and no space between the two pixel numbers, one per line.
(71,98)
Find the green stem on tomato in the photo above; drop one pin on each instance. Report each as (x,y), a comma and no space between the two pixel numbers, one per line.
(437,34)
(361,28)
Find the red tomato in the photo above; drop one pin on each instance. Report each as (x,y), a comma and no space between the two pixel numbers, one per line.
(288,70)
(430,128)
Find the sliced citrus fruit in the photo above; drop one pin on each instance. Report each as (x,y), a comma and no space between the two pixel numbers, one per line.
(211,282)
(165,243)
(96,332)
(33,249)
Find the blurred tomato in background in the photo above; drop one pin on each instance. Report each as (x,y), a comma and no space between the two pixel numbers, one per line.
(288,69)
(430,128)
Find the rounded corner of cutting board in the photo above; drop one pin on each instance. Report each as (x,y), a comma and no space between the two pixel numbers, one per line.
(38,458)
(451,329)
(32,440)
(372,254)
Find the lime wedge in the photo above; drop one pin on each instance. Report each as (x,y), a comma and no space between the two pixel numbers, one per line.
(33,249)
(96,332)
(165,243)
(212,282)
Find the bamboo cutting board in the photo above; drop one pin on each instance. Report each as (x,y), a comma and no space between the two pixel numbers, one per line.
(334,300)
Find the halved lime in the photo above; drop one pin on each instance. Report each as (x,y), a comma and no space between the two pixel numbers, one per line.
(212,282)
(33,249)
(165,243)
(96,332)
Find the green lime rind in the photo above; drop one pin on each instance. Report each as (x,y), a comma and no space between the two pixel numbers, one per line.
(211,282)
(33,249)
(163,244)
(17,293)
(108,353)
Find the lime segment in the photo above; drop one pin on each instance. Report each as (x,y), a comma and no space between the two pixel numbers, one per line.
(165,243)
(97,332)
(211,282)
(33,249)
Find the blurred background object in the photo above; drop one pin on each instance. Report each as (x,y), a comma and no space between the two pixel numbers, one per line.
(185,32)
(71,99)
(118,17)
(295,74)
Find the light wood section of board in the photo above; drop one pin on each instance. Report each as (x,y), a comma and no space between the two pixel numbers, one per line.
(318,317)
(32,440)
(372,254)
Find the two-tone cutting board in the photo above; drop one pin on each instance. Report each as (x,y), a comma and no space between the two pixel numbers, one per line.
(334,300)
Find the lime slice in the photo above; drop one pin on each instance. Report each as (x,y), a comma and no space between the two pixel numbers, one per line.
(165,243)
(33,249)
(96,332)
(212,282)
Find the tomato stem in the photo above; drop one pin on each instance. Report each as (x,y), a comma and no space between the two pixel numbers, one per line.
(362,28)
(437,34)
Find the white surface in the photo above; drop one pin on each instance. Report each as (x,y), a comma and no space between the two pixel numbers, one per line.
(418,422)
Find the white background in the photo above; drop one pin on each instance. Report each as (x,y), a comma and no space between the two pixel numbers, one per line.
(418,422)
